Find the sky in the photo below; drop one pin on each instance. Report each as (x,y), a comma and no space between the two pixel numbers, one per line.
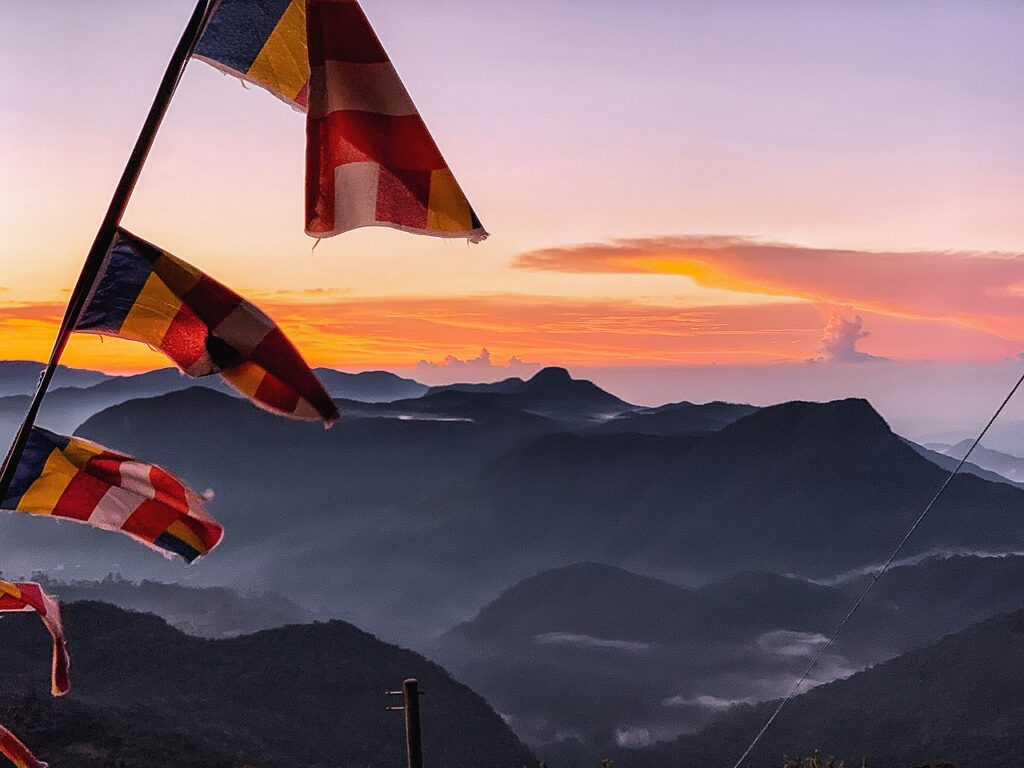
(669,186)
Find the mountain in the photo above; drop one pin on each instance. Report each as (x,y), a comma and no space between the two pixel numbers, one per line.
(19,377)
(200,611)
(810,488)
(300,695)
(599,652)
(369,386)
(64,408)
(957,700)
(1005,464)
(551,392)
(949,463)
(675,419)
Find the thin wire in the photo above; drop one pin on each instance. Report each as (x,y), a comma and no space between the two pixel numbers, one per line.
(878,574)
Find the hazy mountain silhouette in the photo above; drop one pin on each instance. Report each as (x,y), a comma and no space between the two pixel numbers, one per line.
(299,695)
(675,419)
(20,377)
(200,611)
(957,700)
(369,386)
(77,394)
(551,392)
(949,463)
(1005,464)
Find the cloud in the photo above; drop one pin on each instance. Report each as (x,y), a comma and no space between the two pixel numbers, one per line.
(982,290)
(844,577)
(712,703)
(481,366)
(787,642)
(586,641)
(633,737)
(839,340)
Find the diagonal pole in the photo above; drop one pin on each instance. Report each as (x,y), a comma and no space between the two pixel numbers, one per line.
(108,227)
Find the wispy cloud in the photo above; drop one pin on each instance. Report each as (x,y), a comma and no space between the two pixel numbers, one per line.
(704,701)
(787,642)
(853,574)
(983,290)
(587,641)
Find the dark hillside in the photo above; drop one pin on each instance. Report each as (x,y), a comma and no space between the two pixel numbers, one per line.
(306,694)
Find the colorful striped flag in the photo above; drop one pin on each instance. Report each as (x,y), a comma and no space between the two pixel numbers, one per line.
(148,295)
(74,479)
(263,42)
(370,159)
(12,748)
(29,596)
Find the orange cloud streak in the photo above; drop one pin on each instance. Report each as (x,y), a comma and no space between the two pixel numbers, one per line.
(979,290)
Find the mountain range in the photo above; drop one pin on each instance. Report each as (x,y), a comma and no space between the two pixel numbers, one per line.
(410,515)
(597,654)
(611,577)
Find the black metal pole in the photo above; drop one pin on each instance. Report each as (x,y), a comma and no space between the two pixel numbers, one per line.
(108,227)
(413,734)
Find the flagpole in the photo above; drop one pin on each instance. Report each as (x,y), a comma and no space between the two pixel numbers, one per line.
(108,227)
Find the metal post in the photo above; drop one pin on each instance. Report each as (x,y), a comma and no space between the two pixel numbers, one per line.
(108,227)
(410,694)
(413,741)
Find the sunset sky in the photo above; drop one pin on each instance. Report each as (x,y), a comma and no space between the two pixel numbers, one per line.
(666,184)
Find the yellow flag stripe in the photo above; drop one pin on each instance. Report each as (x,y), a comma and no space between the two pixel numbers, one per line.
(42,496)
(246,378)
(152,314)
(7,588)
(283,63)
(79,451)
(448,210)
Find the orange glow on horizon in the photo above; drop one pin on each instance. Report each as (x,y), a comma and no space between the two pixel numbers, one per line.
(358,333)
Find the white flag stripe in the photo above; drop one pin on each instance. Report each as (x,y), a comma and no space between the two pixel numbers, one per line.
(115,508)
(135,478)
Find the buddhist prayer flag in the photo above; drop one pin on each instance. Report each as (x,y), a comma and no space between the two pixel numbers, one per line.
(370,159)
(74,479)
(146,294)
(29,596)
(263,42)
(16,752)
